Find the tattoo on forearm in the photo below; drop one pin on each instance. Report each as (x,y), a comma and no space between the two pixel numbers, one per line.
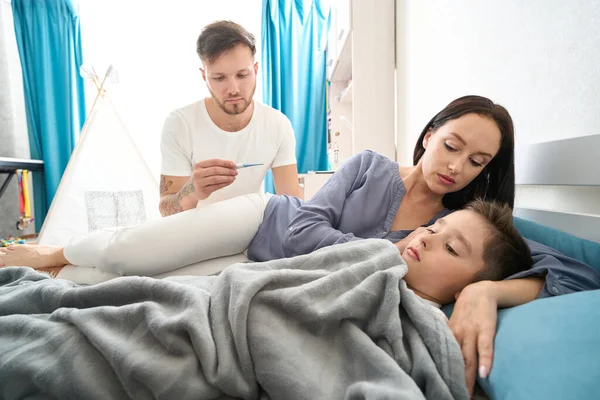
(164,184)
(186,189)
(169,204)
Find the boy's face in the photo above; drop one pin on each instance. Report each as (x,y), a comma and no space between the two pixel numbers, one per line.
(445,258)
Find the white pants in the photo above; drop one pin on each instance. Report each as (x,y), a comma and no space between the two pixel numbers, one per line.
(216,230)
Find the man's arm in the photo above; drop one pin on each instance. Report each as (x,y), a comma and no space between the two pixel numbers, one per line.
(175,194)
(180,193)
(286,181)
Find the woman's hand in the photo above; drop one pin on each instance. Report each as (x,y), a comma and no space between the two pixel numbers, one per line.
(401,245)
(473,323)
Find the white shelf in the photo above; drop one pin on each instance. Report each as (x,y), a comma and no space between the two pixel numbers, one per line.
(342,66)
(347,123)
(361,69)
(347,96)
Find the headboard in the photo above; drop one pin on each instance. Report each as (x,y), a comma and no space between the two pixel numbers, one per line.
(558,185)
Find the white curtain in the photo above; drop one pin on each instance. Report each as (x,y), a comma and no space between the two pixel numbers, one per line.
(152,45)
(13,123)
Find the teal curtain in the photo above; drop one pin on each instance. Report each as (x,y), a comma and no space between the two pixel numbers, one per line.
(49,43)
(294,39)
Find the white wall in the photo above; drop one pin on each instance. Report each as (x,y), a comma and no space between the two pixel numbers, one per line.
(538,58)
(361,49)
(153,47)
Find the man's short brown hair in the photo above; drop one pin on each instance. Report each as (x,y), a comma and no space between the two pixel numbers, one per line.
(505,251)
(220,37)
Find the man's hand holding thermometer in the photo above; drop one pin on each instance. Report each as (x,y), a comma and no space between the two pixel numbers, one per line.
(207,177)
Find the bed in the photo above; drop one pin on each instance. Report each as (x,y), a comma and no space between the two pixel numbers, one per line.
(547,349)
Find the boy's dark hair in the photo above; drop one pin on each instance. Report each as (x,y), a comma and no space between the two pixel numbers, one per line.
(505,251)
(220,37)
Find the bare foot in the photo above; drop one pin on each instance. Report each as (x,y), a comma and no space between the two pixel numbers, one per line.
(33,256)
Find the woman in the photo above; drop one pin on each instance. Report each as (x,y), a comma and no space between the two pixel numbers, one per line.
(465,152)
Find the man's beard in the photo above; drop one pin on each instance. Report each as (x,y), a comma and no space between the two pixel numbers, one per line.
(236,108)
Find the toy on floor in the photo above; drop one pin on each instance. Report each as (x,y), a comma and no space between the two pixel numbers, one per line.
(10,241)
(24,177)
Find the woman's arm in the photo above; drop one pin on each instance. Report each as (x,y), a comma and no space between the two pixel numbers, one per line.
(314,225)
(514,292)
(473,320)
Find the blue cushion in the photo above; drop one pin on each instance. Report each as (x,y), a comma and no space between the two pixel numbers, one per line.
(580,249)
(548,349)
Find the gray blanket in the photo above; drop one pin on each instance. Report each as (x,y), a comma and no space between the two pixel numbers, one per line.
(338,323)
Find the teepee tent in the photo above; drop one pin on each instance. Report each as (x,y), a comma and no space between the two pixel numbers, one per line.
(107,182)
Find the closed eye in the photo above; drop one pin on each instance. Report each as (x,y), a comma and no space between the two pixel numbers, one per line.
(449,148)
(430,230)
(451,250)
(475,163)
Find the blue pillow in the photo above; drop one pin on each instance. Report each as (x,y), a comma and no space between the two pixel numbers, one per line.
(548,349)
(571,246)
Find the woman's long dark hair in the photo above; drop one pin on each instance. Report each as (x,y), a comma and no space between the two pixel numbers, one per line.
(497,180)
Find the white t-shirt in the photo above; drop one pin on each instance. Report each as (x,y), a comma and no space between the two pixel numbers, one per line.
(189,135)
(435,307)
(436,310)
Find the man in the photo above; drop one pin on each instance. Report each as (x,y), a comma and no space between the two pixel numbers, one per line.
(202,142)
